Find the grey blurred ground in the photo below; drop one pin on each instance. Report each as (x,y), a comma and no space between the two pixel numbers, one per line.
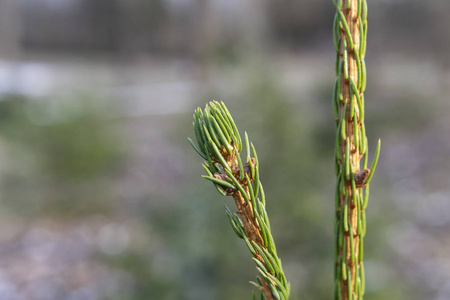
(101,196)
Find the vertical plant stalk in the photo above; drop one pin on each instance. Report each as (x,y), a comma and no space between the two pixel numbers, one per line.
(219,143)
(352,185)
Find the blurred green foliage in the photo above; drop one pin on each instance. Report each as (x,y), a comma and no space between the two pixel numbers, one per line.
(61,153)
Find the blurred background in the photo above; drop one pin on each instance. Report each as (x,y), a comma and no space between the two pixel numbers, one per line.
(100,192)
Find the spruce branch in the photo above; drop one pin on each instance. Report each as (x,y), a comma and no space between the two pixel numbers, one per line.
(349,37)
(219,143)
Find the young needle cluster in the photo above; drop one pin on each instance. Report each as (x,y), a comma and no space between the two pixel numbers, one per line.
(220,145)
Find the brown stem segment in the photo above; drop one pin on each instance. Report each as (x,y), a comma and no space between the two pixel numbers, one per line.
(352,18)
(250,223)
(252,231)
